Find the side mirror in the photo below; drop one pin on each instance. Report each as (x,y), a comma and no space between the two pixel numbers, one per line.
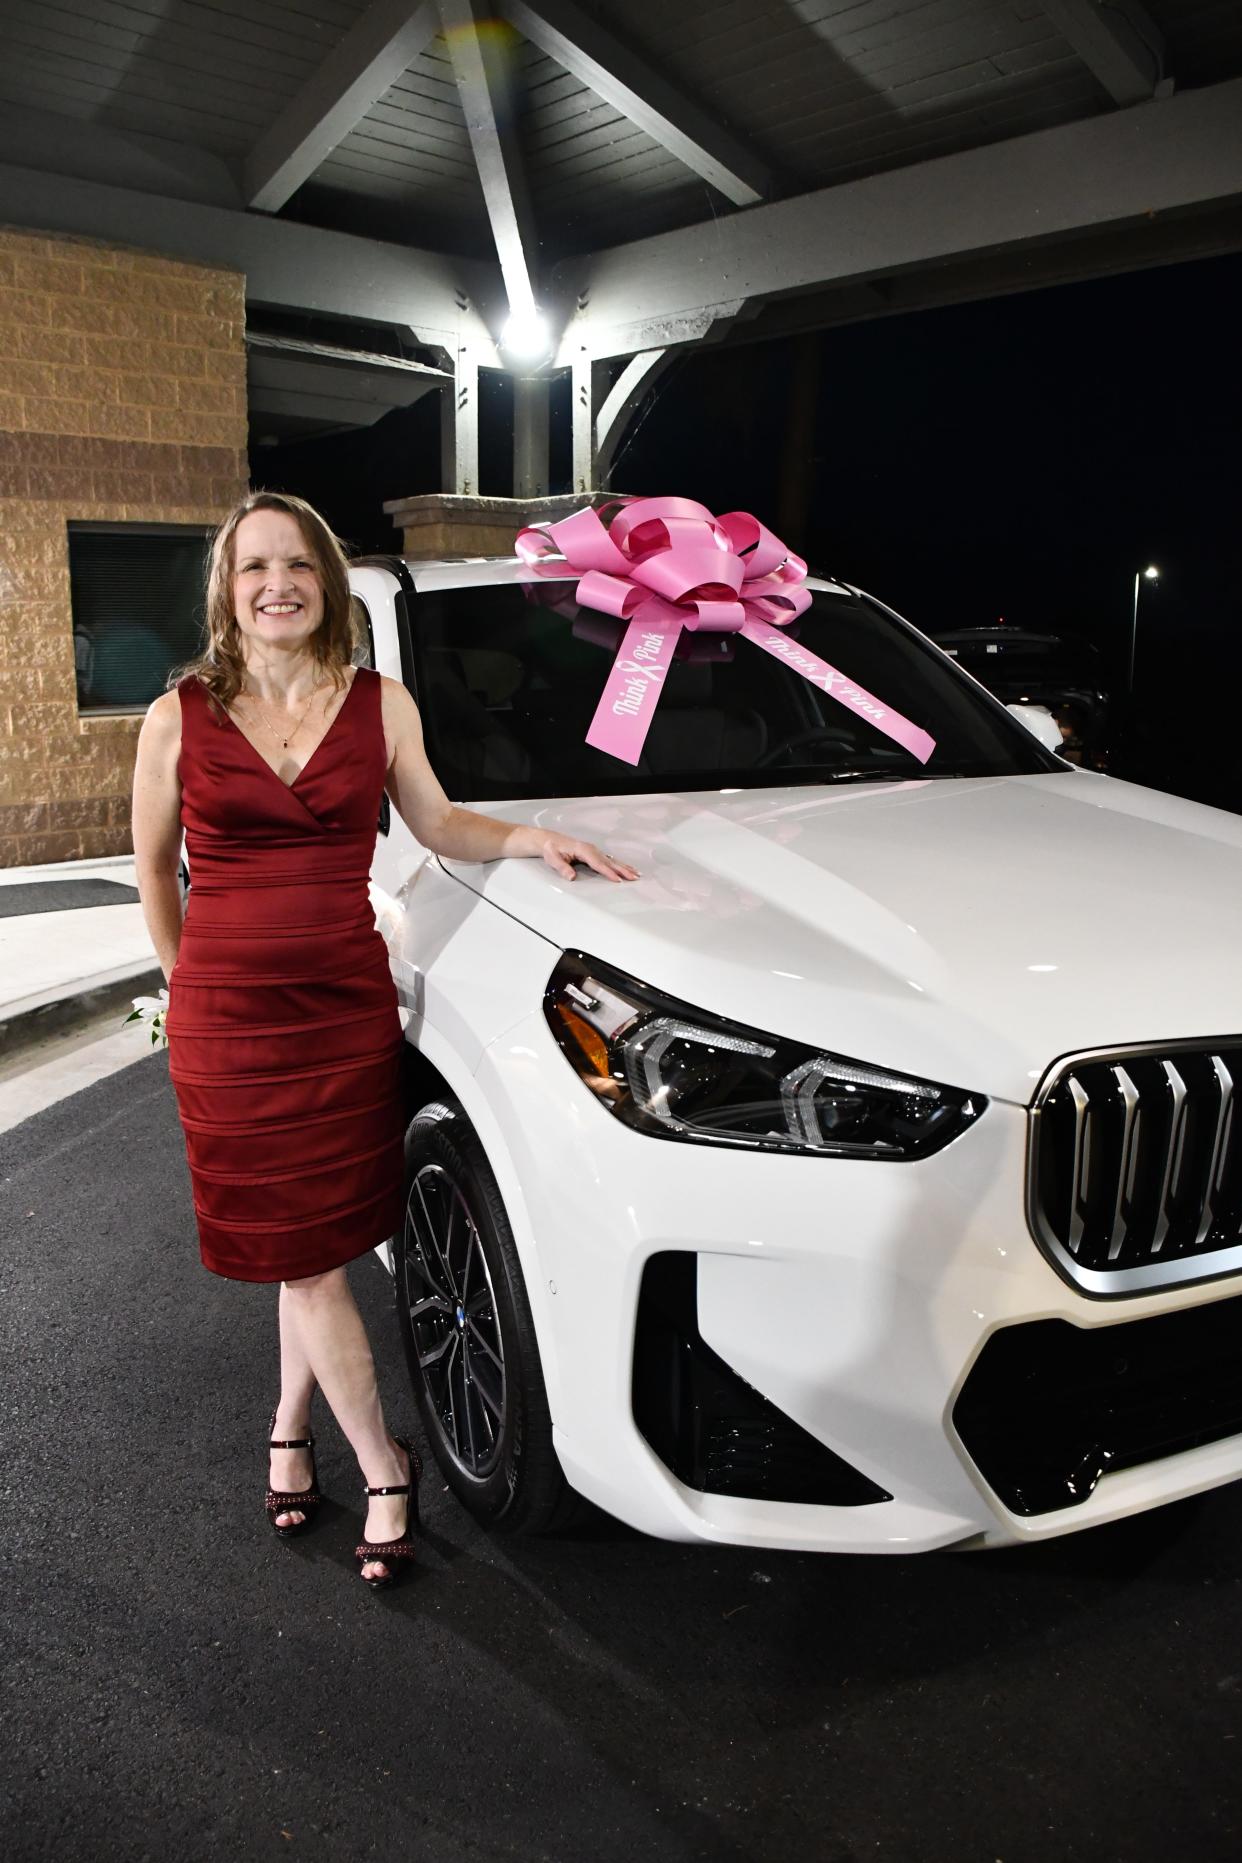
(1040,722)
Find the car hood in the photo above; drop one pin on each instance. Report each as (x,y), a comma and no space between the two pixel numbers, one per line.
(970,931)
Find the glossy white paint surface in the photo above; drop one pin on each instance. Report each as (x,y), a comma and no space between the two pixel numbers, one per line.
(968,931)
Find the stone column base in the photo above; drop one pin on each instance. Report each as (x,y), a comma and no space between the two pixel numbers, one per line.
(455,525)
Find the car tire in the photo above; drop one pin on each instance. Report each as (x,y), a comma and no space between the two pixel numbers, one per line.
(468,1334)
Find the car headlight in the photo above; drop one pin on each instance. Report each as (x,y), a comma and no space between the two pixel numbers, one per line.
(669,1069)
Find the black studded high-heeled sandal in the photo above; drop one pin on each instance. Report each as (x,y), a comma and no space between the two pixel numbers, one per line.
(302,1501)
(398,1555)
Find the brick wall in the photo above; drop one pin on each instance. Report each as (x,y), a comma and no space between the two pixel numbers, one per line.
(122,399)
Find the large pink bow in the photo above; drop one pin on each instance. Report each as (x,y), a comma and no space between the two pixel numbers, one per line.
(664,564)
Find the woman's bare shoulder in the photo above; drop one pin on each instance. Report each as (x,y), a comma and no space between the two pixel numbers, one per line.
(397,701)
(403,728)
(165,712)
(161,727)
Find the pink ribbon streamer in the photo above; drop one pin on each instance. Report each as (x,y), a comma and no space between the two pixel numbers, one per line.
(664,564)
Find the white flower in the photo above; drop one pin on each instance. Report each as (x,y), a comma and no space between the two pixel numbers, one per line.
(151,1010)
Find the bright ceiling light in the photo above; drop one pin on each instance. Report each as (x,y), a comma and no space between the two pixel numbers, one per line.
(1152,573)
(526,336)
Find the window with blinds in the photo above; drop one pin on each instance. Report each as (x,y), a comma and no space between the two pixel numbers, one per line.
(137,595)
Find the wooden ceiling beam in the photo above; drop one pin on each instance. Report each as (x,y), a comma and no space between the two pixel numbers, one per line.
(1119,42)
(380,45)
(287,264)
(643,95)
(1171,157)
(484,84)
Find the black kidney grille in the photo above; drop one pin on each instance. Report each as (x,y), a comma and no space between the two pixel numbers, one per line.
(1136,1164)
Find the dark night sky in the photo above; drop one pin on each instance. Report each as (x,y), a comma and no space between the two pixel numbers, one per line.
(1019,457)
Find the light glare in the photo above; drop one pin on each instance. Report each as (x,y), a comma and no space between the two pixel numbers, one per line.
(526,336)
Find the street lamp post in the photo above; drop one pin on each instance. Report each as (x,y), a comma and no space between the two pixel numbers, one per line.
(1150,574)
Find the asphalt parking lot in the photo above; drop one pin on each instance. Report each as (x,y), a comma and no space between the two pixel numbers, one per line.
(178,1683)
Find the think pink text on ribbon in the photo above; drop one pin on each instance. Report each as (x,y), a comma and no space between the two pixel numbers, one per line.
(664,564)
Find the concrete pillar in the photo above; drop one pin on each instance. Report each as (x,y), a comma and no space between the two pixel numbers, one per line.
(459,426)
(445,524)
(583,392)
(530,436)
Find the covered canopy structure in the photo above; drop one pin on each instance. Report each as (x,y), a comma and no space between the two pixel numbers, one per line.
(564,185)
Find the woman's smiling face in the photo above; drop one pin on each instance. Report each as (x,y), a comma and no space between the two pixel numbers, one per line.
(277,592)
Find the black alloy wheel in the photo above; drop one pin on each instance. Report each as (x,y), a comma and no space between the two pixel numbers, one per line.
(468,1334)
(452,1316)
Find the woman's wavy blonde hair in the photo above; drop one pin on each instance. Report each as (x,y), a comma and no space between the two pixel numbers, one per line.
(221,665)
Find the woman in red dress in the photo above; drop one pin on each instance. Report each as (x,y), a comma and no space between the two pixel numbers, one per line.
(284,1039)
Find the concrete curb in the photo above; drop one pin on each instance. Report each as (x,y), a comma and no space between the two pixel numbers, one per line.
(75,1008)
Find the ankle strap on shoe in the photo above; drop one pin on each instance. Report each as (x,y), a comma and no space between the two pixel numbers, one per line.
(299,1442)
(403,1488)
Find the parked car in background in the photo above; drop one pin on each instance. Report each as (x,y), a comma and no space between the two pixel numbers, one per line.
(831,1185)
(1060,675)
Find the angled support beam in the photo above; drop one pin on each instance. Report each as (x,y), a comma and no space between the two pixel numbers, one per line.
(1118,40)
(483,85)
(599,430)
(1167,158)
(375,51)
(635,381)
(649,101)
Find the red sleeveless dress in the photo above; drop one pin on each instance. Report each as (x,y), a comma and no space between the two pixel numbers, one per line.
(284,1041)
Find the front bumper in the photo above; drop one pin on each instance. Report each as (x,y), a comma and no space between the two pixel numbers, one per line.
(856,1296)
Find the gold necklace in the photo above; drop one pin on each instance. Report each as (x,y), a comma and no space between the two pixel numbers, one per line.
(279,736)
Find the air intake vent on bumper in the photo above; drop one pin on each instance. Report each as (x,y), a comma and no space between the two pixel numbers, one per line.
(1049,1409)
(708,1426)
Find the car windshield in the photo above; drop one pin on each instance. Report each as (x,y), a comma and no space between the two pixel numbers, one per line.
(508,676)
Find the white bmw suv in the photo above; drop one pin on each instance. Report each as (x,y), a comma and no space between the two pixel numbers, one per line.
(867,1176)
